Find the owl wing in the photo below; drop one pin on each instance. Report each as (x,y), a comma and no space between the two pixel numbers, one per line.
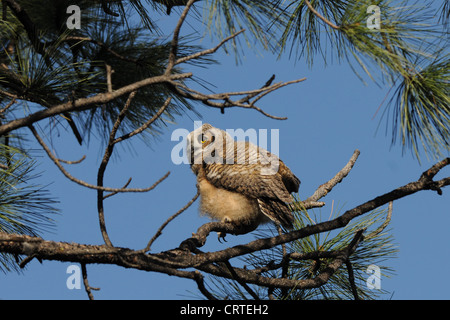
(247,180)
(270,191)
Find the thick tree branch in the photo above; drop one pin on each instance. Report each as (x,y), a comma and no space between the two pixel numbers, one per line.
(87,103)
(188,256)
(200,238)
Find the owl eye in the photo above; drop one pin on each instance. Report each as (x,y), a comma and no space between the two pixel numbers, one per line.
(202,138)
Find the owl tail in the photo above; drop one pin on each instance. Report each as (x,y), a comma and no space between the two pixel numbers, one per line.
(277,211)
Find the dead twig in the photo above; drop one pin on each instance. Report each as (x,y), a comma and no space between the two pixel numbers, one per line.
(87,287)
(176,214)
(84,183)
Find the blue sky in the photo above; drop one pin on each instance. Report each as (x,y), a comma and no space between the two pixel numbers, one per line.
(329,116)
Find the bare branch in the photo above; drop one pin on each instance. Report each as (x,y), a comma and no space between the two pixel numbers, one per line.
(384,224)
(208,51)
(227,102)
(320,16)
(109,72)
(73,162)
(9,105)
(198,278)
(242,282)
(323,190)
(124,187)
(176,34)
(101,170)
(83,183)
(188,256)
(319,280)
(430,173)
(267,243)
(159,231)
(145,125)
(87,287)
(87,103)
(351,279)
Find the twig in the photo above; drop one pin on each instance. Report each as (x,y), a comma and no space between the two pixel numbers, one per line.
(320,16)
(176,34)
(86,103)
(87,287)
(5,93)
(251,95)
(384,224)
(235,276)
(339,222)
(351,279)
(73,162)
(145,125)
(227,101)
(109,72)
(198,278)
(83,183)
(3,110)
(285,262)
(26,260)
(101,170)
(323,190)
(114,193)
(159,231)
(208,51)
(430,173)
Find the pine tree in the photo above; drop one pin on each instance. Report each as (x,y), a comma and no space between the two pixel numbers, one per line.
(47,63)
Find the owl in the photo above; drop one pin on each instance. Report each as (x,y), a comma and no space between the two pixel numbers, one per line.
(239,182)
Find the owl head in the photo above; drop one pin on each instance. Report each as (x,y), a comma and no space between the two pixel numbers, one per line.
(207,144)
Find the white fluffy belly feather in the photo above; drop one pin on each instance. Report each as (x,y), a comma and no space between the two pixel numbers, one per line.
(224,205)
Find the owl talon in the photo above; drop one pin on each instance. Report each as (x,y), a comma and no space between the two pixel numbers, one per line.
(221,235)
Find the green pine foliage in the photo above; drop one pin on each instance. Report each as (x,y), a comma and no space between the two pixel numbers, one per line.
(25,207)
(377,247)
(47,64)
(408,52)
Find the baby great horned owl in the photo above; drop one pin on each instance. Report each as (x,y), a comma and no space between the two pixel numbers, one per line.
(239,182)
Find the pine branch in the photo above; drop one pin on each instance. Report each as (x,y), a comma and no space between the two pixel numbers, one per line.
(170,262)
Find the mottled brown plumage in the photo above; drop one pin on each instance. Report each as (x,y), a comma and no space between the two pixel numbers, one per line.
(238,181)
